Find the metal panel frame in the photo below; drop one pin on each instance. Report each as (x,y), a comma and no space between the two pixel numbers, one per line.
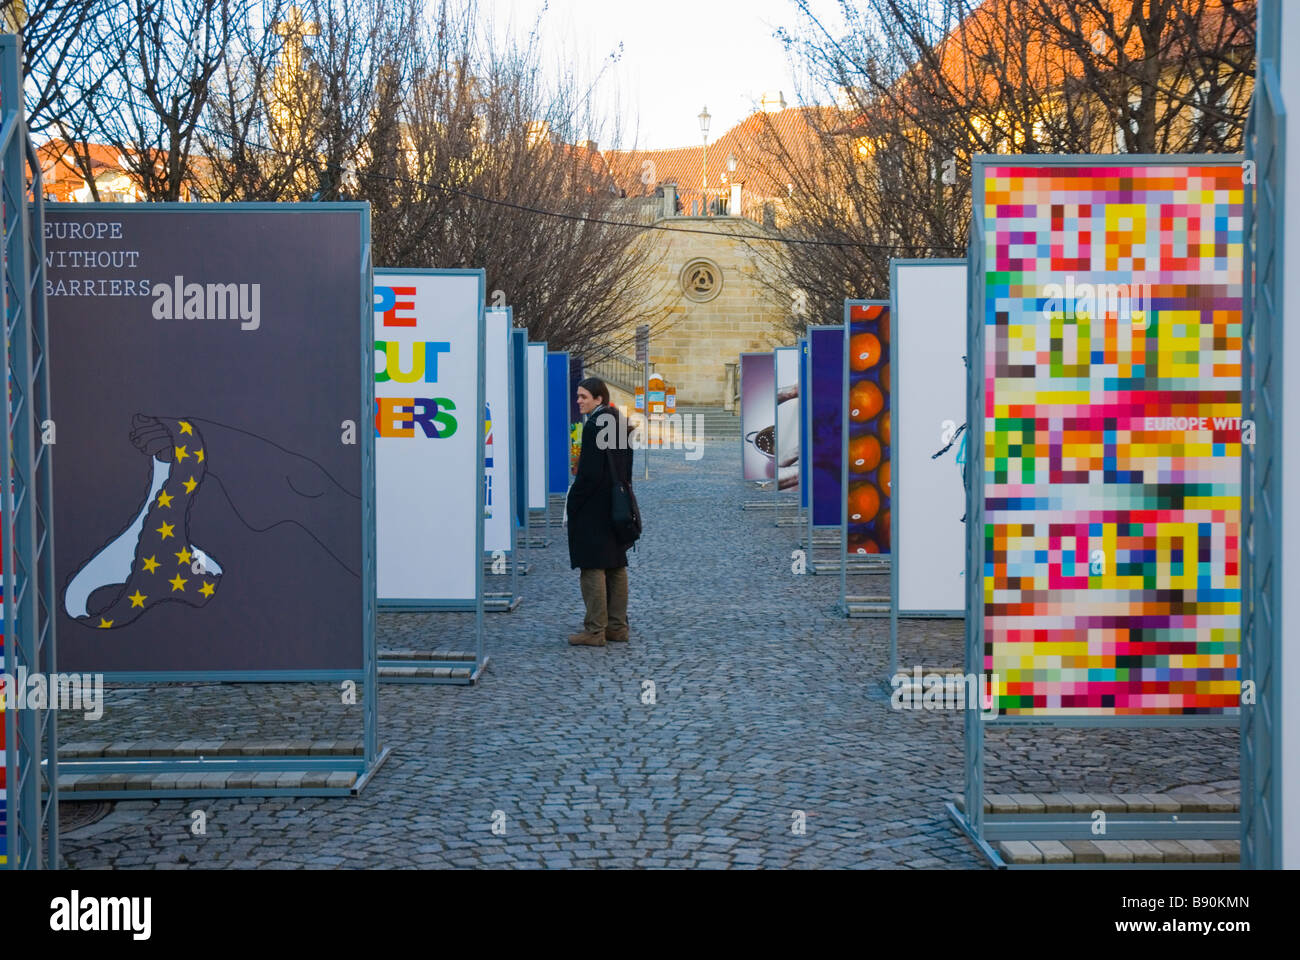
(810,533)
(543,539)
(550,411)
(507,602)
(1262,465)
(973,819)
(367,675)
(411,605)
(31,819)
(894,396)
(875,567)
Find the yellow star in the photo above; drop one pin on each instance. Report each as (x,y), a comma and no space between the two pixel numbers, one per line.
(137,599)
(184,556)
(166,530)
(180,454)
(185,427)
(104,624)
(150,564)
(198,455)
(164,499)
(207,589)
(178,583)
(190,484)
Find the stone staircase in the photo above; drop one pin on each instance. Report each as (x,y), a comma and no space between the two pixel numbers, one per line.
(718,423)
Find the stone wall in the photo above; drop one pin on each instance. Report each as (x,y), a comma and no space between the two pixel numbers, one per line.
(691,347)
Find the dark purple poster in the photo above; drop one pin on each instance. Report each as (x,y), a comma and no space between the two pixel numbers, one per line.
(207,375)
(826,373)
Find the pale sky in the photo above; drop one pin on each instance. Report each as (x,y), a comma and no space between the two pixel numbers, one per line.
(677,57)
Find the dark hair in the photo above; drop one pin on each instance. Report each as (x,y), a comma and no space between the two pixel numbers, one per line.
(596,387)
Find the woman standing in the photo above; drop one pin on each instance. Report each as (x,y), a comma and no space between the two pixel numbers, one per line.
(593,546)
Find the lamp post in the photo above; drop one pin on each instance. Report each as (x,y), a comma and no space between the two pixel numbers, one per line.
(704,170)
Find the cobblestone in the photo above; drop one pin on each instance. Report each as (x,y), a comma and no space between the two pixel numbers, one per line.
(767,702)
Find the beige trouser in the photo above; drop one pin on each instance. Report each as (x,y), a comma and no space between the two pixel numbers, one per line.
(605,594)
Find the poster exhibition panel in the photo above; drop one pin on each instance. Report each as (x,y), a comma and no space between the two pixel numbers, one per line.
(557,426)
(212,378)
(1105,466)
(498,434)
(519,413)
(928,398)
(866,458)
(804,451)
(825,422)
(429,401)
(786,405)
(537,422)
(211,372)
(758,416)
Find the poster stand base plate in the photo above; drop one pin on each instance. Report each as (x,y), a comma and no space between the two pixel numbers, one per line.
(501,602)
(266,769)
(436,666)
(1028,837)
(866,607)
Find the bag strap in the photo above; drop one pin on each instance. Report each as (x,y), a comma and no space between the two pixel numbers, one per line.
(613,469)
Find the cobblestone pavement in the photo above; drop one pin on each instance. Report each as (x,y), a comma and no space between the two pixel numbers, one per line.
(766,703)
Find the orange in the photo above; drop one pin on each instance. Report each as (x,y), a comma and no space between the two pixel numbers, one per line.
(864,502)
(885,480)
(865,401)
(884,327)
(884,376)
(864,351)
(861,544)
(883,530)
(884,429)
(864,454)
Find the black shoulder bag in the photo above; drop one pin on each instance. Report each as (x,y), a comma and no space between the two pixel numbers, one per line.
(626,515)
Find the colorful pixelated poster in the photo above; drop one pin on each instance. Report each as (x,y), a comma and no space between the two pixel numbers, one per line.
(209,383)
(429,341)
(1111,327)
(825,416)
(867,425)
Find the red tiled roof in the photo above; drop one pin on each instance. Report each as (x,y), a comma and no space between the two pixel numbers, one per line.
(750,141)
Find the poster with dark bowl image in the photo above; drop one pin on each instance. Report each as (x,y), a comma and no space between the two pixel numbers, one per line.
(867,426)
(758,415)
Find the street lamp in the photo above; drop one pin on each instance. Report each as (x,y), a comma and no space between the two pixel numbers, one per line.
(704,170)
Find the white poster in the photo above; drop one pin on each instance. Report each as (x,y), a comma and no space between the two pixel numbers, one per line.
(536,426)
(787,417)
(428,404)
(929,404)
(498,491)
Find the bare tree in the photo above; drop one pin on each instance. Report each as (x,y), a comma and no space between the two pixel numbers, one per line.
(921,87)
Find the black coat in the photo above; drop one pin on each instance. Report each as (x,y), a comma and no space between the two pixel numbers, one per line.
(592,544)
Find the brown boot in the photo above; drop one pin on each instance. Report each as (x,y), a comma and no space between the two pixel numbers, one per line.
(616,628)
(587,639)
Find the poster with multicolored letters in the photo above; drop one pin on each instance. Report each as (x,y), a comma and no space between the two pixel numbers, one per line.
(430,415)
(1109,314)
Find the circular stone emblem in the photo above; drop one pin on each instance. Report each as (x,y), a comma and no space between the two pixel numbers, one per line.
(701,280)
